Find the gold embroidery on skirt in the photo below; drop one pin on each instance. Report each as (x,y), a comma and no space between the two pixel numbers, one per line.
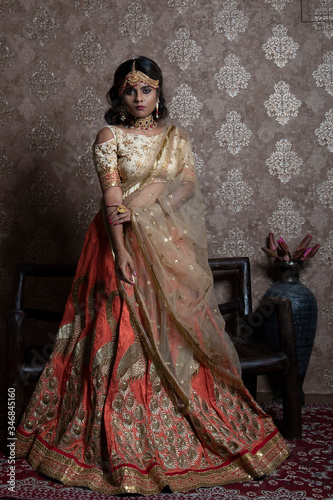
(102,359)
(177,395)
(43,404)
(82,351)
(98,288)
(75,294)
(133,364)
(127,479)
(113,324)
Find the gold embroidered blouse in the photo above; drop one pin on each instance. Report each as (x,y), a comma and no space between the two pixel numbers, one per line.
(121,161)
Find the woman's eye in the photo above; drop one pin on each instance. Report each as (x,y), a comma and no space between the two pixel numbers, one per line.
(129,91)
(147,90)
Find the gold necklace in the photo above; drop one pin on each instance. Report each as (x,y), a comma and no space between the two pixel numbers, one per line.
(144,124)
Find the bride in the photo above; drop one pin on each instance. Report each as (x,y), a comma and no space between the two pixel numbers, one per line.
(143,388)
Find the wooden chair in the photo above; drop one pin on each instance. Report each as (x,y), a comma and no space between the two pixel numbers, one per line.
(256,358)
(25,363)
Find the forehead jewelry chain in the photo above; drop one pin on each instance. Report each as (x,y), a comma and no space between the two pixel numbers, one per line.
(135,77)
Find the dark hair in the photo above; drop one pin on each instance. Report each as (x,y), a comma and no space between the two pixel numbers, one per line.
(149,68)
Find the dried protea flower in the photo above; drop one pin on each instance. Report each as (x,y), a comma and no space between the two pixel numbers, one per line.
(280,249)
(283,249)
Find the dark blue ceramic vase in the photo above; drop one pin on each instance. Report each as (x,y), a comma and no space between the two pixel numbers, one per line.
(305,312)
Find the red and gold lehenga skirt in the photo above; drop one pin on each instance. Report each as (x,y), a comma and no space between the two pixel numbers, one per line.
(101,417)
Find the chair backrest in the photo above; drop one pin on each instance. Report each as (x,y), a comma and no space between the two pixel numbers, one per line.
(44,271)
(243,302)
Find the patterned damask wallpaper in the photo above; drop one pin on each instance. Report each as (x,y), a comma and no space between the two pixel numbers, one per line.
(250,80)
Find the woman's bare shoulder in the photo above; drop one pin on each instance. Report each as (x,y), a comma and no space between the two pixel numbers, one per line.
(104,135)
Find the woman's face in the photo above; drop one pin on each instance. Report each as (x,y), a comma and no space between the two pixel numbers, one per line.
(140,100)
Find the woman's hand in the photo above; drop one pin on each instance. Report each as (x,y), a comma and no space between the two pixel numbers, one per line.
(114,217)
(124,266)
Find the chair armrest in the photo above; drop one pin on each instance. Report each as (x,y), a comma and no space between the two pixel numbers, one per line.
(286,329)
(253,324)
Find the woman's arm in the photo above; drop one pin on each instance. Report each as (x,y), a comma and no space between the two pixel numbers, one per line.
(112,198)
(123,261)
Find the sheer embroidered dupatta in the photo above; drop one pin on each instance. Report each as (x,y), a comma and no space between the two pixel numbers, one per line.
(172,306)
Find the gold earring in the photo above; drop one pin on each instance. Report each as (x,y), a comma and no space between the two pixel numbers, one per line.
(157,105)
(122,115)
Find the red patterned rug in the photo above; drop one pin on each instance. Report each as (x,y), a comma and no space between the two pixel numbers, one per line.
(306,475)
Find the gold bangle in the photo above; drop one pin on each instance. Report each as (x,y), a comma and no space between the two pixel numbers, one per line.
(121,209)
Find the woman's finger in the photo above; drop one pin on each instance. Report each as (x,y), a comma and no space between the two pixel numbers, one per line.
(126,280)
(123,277)
(123,274)
(113,214)
(132,268)
(114,217)
(120,219)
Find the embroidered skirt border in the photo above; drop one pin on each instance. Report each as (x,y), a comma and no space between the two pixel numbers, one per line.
(127,478)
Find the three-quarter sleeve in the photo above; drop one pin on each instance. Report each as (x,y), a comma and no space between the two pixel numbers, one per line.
(106,164)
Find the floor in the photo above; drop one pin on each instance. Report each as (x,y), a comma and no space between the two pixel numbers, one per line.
(309,398)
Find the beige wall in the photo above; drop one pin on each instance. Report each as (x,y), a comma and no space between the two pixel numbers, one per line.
(57,61)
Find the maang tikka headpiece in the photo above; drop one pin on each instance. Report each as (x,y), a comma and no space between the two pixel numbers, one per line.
(135,77)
